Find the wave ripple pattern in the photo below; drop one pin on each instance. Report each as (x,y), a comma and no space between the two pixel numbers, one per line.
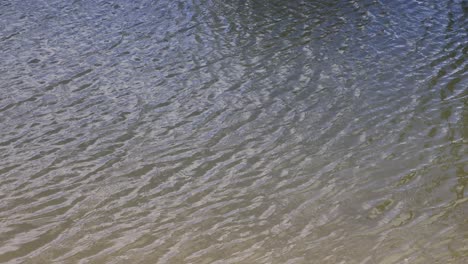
(233,131)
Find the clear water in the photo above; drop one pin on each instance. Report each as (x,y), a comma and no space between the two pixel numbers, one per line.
(228,131)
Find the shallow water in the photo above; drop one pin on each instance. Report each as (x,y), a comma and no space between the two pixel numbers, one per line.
(230,131)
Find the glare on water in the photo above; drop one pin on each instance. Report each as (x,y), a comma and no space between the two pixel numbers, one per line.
(236,131)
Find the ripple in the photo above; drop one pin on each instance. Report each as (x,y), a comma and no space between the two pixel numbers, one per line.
(233,131)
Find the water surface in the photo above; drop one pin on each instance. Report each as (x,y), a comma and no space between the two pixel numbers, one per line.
(234,131)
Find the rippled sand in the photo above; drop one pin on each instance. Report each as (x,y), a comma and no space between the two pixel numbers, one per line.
(230,131)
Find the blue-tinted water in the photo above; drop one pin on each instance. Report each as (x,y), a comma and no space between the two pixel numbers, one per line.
(230,131)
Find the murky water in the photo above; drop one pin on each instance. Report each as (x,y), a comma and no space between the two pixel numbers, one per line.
(230,131)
